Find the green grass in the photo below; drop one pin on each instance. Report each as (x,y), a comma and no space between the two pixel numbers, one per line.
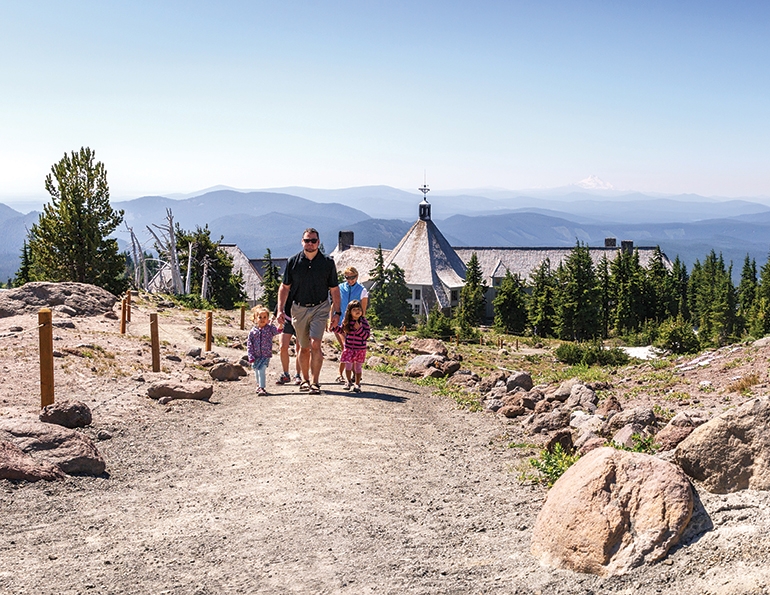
(583,372)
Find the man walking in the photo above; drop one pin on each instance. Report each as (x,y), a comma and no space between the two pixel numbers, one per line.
(310,276)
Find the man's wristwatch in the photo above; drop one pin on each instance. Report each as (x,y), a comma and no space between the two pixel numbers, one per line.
(338,313)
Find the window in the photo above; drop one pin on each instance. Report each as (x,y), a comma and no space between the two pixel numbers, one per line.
(454,295)
(416,309)
(416,295)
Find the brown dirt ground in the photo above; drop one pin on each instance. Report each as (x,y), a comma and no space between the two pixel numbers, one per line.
(390,491)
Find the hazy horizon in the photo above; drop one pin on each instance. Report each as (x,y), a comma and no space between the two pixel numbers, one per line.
(655,97)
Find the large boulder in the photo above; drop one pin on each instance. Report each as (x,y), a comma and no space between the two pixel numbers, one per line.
(17,465)
(732,451)
(72,452)
(519,380)
(70,414)
(176,389)
(612,511)
(79,298)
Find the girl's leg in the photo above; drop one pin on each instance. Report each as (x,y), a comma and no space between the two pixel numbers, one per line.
(261,375)
(349,374)
(359,369)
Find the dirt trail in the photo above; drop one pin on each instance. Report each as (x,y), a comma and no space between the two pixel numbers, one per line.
(390,491)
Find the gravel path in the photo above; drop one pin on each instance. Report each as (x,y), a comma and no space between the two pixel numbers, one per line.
(390,491)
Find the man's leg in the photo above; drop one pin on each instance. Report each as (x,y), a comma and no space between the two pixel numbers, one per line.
(304,358)
(316,358)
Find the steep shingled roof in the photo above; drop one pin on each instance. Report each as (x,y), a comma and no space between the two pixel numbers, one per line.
(522,261)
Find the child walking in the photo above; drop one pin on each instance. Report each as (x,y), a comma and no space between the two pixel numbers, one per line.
(259,345)
(356,330)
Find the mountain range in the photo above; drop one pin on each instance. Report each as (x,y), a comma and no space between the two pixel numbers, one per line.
(684,225)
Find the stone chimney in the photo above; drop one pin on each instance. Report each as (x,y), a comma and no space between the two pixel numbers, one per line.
(610,242)
(344,241)
(627,245)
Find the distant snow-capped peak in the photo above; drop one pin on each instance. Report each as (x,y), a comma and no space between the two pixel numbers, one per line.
(594,183)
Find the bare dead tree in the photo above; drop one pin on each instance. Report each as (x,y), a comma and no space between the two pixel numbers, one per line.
(140,263)
(167,242)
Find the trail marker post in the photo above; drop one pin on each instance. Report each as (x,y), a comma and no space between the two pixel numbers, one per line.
(243,317)
(45,322)
(154,342)
(209,326)
(123,316)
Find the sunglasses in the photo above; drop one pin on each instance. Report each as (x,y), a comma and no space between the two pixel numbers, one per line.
(310,240)
(353,277)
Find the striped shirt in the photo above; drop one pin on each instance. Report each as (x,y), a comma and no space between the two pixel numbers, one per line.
(356,339)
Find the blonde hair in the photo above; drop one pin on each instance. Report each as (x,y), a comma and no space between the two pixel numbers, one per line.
(257,310)
(350,271)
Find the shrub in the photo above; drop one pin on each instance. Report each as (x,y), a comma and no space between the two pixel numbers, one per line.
(590,355)
(677,336)
(550,466)
(436,326)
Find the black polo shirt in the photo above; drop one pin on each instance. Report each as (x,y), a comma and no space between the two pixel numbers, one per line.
(310,280)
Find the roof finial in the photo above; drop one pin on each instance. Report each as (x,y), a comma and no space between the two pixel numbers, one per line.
(425,188)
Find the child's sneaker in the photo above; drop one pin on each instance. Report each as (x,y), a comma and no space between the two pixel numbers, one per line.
(297,379)
(356,388)
(346,386)
(284,379)
(261,392)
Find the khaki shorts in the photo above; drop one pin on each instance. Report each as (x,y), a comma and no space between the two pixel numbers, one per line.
(309,323)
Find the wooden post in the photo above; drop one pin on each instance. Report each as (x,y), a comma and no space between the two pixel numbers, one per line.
(457,340)
(155,342)
(209,325)
(517,344)
(128,305)
(481,340)
(123,309)
(243,317)
(45,321)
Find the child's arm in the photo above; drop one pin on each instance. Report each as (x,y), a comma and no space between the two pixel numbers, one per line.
(250,347)
(366,330)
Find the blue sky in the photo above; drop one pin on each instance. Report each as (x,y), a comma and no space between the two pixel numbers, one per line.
(179,96)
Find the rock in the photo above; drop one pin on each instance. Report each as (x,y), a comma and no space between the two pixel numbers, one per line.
(433,373)
(493,404)
(194,352)
(519,379)
(499,392)
(585,422)
(625,435)
(16,465)
(688,419)
(375,361)
(612,511)
(543,406)
(609,405)
(175,389)
(111,315)
(670,436)
(512,410)
(418,366)
(642,416)
(15,329)
(563,438)
(72,452)
(66,310)
(545,422)
(589,442)
(428,347)
(488,383)
(520,400)
(226,371)
(173,358)
(402,339)
(763,342)
(81,298)
(583,397)
(450,367)
(63,324)
(70,414)
(563,391)
(104,435)
(732,451)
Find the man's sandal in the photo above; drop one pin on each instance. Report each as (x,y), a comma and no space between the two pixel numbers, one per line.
(304,386)
(315,389)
